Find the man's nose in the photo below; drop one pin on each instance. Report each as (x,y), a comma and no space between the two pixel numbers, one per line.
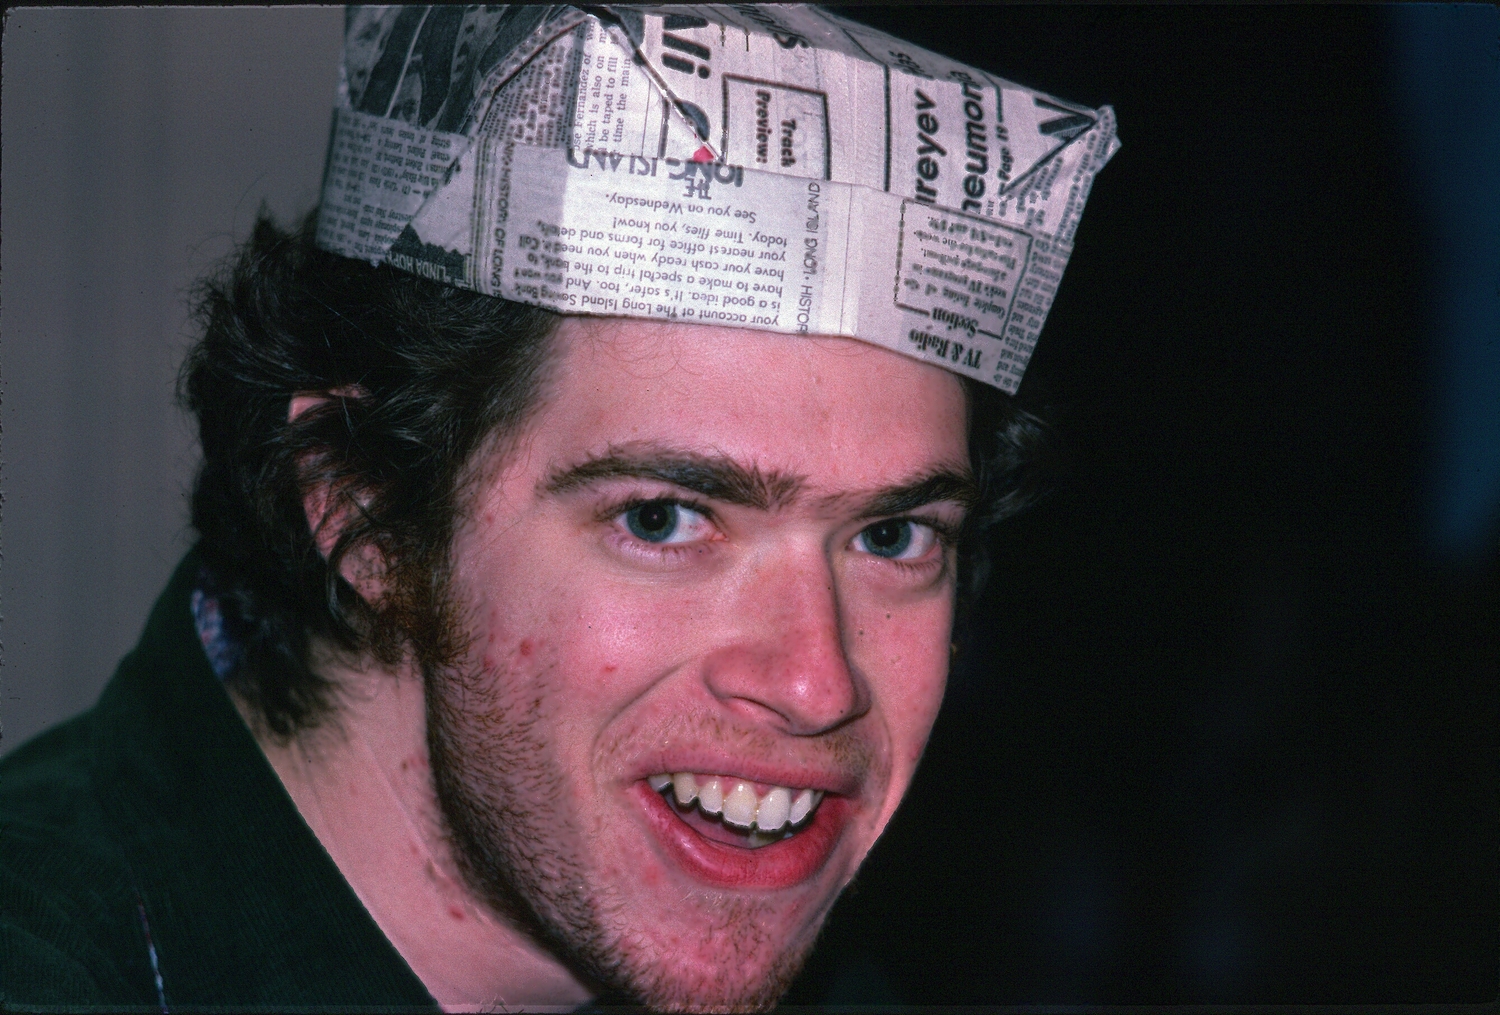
(786,662)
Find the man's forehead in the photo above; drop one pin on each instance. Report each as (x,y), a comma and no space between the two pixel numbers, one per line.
(767,417)
(620,364)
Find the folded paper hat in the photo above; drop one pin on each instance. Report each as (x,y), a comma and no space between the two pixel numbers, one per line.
(767,167)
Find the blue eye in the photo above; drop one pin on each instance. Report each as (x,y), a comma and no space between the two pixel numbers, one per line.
(887,539)
(897,539)
(666,521)
(654,522)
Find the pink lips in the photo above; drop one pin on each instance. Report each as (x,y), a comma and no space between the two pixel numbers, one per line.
(779,865)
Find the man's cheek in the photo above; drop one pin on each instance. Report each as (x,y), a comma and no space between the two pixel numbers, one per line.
(906,654)
(626,633)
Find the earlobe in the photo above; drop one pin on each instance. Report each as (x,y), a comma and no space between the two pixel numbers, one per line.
(325,524)
(362,565)
(329,512)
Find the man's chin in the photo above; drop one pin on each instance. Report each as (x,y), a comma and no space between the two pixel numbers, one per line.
(732,981)
(687,949)
(718,949)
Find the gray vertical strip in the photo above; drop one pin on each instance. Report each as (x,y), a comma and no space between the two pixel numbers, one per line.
(724,134)
(828,142)
(333,131)
(887,127)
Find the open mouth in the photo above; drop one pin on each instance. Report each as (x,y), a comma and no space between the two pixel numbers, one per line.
(732,832)
(736,811)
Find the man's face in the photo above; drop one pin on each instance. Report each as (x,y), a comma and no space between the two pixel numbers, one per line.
(719,554)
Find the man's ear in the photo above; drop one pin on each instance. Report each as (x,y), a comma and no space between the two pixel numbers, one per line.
(329,510)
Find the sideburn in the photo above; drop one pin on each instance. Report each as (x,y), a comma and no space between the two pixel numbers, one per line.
(416,614)
(488,838)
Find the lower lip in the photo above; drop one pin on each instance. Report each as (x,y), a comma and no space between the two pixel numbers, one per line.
(780,865)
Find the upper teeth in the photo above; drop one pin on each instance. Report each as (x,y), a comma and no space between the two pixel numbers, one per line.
(737,799)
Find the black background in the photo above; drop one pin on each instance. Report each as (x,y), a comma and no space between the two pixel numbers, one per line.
(1225,730)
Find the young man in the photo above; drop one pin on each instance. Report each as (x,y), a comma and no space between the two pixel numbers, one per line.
(525,659)
(572,557)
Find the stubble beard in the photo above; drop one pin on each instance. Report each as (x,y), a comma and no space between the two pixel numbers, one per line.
(518,844)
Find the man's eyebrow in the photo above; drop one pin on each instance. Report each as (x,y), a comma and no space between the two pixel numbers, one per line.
(938,485)
(723,479)
(716,476)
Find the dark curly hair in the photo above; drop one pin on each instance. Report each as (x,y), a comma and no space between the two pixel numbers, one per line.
(430,376)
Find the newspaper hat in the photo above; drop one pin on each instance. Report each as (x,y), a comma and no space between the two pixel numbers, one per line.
(765,167)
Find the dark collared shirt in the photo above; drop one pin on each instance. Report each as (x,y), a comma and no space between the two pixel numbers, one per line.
(150,859)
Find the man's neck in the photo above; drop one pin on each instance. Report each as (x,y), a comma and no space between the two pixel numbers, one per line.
(363,785)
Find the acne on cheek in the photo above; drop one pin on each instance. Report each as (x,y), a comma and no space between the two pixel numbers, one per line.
(524,652)
(505,650)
